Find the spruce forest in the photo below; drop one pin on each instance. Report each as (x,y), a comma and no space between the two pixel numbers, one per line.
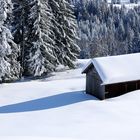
(106,28)
(36,36)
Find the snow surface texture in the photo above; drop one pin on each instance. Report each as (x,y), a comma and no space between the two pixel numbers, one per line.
(122,1)
(127,4)
(58,109)
(115,69)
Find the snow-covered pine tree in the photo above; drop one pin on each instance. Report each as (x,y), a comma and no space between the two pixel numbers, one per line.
(64,28)
(18,20)
(40,58)
(9,66)
(19,30)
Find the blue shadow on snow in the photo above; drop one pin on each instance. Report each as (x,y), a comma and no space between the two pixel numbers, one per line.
(50,102)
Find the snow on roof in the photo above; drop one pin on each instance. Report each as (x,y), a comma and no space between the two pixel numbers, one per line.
(116,69)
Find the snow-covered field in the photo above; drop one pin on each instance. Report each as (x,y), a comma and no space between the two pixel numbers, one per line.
(126,3)
(57,108)
(127,6)
(122,1)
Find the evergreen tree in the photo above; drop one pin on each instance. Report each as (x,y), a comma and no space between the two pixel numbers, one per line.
(132,1)
(113,1)
(46,32)
(40,56)
(64,28)
(9,66)
(105,30)
(19,30)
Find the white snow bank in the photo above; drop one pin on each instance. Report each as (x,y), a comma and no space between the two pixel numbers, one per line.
(128,6)
(32,138)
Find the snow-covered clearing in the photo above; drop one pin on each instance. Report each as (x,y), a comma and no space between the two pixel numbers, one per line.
(127,6)
(58,109)
(126,3)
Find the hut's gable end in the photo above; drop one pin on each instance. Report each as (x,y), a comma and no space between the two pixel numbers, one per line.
(93,83)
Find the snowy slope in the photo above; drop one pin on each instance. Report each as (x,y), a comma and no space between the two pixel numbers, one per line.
(58,109)
(122,1)
(109,1)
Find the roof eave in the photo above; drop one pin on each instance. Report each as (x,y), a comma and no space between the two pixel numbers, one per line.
(90,63)
(119,82)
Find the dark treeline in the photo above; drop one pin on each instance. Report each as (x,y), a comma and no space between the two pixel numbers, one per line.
(106,29)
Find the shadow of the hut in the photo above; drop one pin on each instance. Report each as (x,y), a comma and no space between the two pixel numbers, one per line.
(50,102)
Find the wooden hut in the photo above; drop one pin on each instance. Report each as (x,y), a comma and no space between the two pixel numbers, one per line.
(112,75)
